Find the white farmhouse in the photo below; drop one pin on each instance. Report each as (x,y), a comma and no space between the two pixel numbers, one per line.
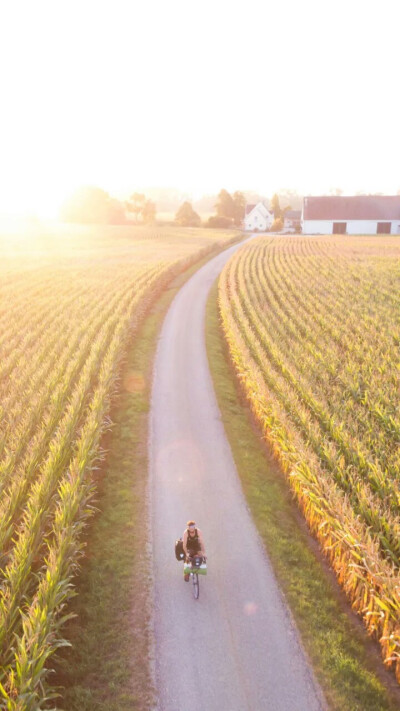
(257,218)
(354,215)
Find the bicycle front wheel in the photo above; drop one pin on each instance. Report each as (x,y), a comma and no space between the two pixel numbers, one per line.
(196,586)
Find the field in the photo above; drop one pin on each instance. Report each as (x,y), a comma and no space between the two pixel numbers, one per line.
(313,331)
(71,299)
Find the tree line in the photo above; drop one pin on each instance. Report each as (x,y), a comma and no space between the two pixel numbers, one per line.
(95,206)
(229,210)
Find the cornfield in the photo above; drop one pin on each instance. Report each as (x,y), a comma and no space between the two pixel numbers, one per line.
(313,332)
(69,304)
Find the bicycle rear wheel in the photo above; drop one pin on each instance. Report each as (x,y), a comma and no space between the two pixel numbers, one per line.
(196,586)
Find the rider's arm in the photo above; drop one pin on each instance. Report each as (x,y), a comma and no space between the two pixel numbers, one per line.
(184,541)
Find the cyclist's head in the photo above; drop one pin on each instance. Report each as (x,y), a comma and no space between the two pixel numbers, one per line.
(191,525)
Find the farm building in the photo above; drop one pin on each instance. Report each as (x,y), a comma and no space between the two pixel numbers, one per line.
(355,215)
(257,218)
(292,220)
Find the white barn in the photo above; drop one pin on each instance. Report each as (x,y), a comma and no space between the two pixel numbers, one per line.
(257,218)
(353,215)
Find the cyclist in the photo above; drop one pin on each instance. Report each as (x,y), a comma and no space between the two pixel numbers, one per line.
(193,543)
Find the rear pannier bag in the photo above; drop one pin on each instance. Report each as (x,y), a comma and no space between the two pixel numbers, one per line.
(179,554)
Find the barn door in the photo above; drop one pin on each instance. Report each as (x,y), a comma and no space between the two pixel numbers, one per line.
(339,228)
(383,228)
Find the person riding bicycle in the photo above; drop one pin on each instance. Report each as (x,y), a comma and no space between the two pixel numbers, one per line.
(193,543)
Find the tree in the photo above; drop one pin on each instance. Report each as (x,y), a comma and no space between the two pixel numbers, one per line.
(277,224)
(239,206)
(149,212)
(141,207)
(94,206)
(225,205)
(186,216)
(136,204)
(279,214)
(275,207)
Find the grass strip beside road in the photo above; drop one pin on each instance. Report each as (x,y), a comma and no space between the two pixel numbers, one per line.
(108,667)
(347,663)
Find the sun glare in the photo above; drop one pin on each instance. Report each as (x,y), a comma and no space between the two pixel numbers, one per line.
(193,120)
(23,201)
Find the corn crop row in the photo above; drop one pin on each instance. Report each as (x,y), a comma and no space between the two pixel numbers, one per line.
(63,333)
(311,330)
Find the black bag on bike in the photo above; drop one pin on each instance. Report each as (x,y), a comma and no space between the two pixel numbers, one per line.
(179,554)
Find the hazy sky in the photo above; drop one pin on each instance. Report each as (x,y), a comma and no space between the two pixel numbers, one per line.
(197,95)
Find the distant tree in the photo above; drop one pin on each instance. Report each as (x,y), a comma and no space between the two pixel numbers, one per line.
(277,224)
(275,207)
(239,206)
(143,209)
(186,216)
(149,212)
(225,206)
(216,221)
(93,206)
(279,213)
(135,204)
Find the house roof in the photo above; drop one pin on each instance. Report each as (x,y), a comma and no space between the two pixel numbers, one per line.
(354,207)
(292,214)
(260,209)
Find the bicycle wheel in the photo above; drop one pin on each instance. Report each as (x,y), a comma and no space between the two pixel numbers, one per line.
(196,586)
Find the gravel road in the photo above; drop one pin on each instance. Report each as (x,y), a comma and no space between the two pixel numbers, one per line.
(236,648)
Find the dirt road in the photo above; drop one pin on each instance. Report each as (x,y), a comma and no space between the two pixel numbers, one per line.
(234,649)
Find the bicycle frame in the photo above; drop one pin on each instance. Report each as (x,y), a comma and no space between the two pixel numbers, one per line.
(196,584)
(195,580)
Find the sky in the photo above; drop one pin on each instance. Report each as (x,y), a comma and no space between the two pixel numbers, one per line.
(198,96)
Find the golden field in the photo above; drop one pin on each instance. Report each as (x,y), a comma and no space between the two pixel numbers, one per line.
(313,331)
(71,300)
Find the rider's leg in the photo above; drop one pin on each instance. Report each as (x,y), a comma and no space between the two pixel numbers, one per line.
(185,575)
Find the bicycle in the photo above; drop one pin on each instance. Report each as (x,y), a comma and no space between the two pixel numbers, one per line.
(195,563)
